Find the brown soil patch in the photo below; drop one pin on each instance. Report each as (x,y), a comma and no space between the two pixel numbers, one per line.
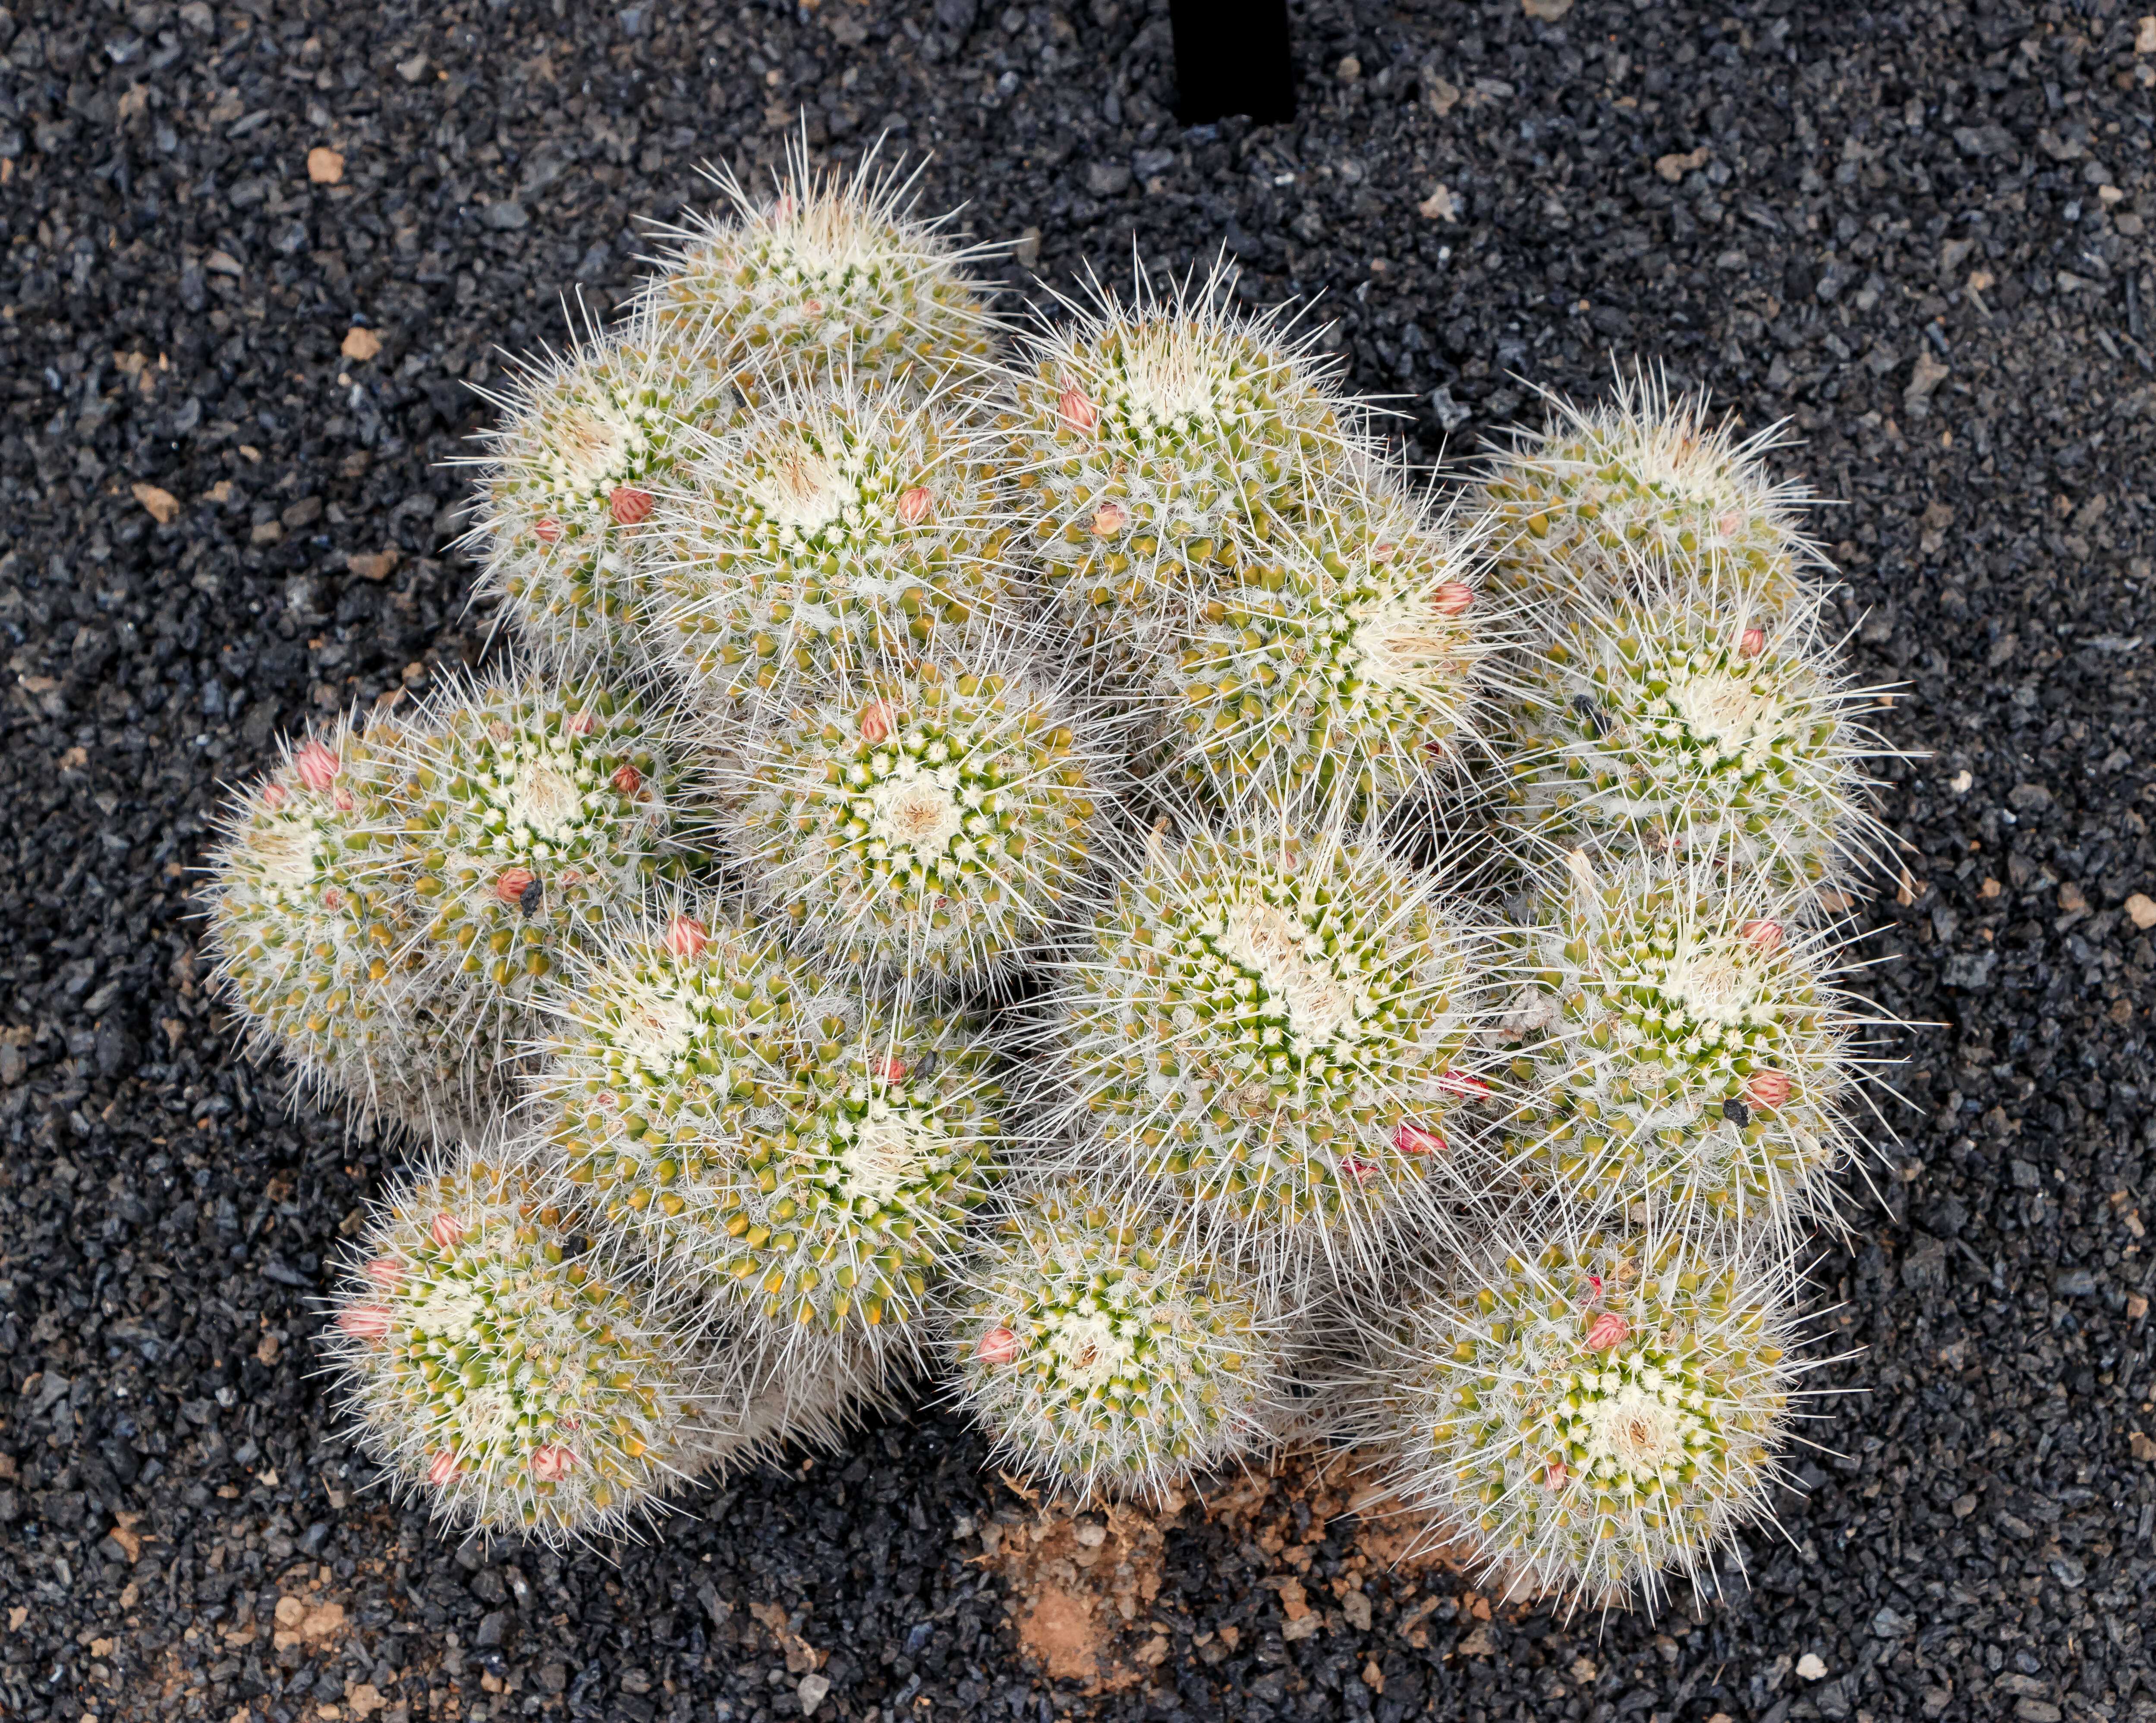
(1082,1579)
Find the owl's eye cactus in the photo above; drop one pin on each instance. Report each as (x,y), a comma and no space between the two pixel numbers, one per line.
(1680,1045)
(1577,509)
(1109,1350)
(1275,1029)
(1590,1415)
(537,811)
(1686,726)
(587,441)
(822,533)
(832,281)
(930,827)
(1341,675)
(808,1152)
(1157,446)
(309,929)
(505,1375)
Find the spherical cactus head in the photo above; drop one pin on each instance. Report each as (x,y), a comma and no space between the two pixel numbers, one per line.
(1647,474)
(1157,442)
(806,1152)
(831,279)
(1588,1414)
(1679,1045)
(931,825)
(830,529)
(310,935)
(505,1374)
(1109,1350)
(537,810)
(1275,1028)
(587,440)
(1344,672)
(1682,724)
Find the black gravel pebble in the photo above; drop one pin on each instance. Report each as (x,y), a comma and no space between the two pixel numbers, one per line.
(1919,231)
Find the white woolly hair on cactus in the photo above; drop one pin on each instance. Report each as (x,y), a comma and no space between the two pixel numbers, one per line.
(1584,1413)
(1111,1349)
(310,931)
(1578,506)
(1681,1044)
(568,482)
(1359,662)
(932,824)
(508,1372)
(1686,723)
(832,526)
(834,275)
(534,811)
(1157,445)
(1275,1026)
(759,1128)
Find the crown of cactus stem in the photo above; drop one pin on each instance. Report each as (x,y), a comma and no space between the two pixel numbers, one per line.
(1685,724)
(1275,1027)
(1680,1044)
(568,483)
(833,278)
(311,932)
(1588,1413)
(810,1152)
(1158,445)
(502,1370)
(1578,506)
(1345,672)
(1109,1349)
(932,825)
(822,533)
(535,811)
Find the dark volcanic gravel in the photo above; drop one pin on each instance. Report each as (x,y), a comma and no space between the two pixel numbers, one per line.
(1918,232)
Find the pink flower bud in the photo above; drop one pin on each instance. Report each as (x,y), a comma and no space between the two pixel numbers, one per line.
(446,1231)
(1452,598)
(1766,1089)
(332,898)
(512,885)
(273,795)
(1761,935)
(365,1322)
(444,1468)
(1554,1478)
(1419,1140)
(913,506)
(1075,411)
(1609,1330)
(784,210)
(687,937)
(629,505)
(550,1464)
(877,721)
(548,531)
(1753,644)
(340,800)
(1382,552)
(1109,520)
(1356,1169)
(627,780)
(316,765)
(998,1345)
(582,723)
(386,1270)
(1462,1083)
(1595,1281)
(1729,524)
(893,1072)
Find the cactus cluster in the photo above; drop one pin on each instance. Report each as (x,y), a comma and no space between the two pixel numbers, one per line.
(1059,866)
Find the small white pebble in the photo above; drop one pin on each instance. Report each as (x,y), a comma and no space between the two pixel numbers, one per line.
(1810,1666)
(1960,782)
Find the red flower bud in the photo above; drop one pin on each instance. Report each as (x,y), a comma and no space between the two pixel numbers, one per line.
(1075,411)
(627,780)
(512,885)
(998,1345)
(446,1231)
(580,724)
(1554,1478)
(1609,1330)
(1753,643)
(1761,935)
(444,1468)
(687,937)
(1419,1140)
(1462,1083)
(913,506)
(1766,1089)
(877,721)
(629,505)
(548,531)
(1452,598)
(893,1072)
